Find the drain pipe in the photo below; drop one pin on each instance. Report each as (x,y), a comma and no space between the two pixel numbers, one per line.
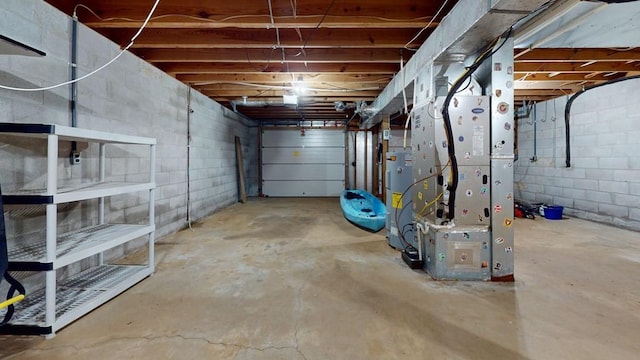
(419,230)
(535,133)
(567,112)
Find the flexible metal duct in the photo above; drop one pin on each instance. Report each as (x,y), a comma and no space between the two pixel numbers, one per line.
(254,103)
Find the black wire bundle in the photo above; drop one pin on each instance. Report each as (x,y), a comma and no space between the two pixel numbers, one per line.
(567,112)
(453,185)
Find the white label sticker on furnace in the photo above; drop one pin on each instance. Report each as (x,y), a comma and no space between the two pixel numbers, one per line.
(478,140)
(394,231)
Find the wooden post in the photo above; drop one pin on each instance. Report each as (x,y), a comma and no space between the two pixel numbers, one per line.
(385,147)
(366,160)
(243,191)
(375,176)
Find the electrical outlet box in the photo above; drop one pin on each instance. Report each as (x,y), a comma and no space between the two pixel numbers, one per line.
(386,134)
(74,158)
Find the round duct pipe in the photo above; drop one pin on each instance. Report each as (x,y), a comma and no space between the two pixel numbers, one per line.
(254,103)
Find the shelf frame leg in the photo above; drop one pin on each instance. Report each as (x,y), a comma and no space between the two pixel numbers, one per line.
(152,206)
(51,231)
(101,178)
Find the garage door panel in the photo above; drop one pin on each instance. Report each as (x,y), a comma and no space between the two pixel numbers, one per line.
(303,188)
(298,166)
(303,172)
(303,155)
(312,138)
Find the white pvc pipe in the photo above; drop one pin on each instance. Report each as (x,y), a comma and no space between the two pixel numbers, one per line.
(420,230)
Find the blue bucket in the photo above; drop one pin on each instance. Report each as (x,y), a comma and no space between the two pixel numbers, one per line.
(553,212)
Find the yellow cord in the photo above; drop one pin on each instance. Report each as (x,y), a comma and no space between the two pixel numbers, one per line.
(11,301)
(430,203)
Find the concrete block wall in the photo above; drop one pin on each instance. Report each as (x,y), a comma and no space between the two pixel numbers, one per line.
(130,97)
(603,182)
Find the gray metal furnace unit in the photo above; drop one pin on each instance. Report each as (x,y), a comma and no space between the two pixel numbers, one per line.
(476,243)
(463,174)
(400,233)
(461,249)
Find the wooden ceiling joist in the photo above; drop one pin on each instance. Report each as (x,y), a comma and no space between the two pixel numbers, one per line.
(572,67)
(250,39)
(347,50)
(313,87)
(279,78)
(336,55)
(569,77)
(318,100)
(264,22)
(579,55)
(253,92)
(277,67)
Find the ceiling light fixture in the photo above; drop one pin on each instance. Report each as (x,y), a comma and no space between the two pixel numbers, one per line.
(289,99)
(299,87)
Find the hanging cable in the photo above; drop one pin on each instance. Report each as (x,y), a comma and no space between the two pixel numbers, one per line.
(133,39)
(397,215)
(324,16)
(279,44)
(278,87)
(406,46)
(235,17)
(453,184)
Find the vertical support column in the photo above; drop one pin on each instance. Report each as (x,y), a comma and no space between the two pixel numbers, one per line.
(347,163)
(375,164)
(385,148)
(51,231)
(355,159)
(152,206)
(366,160)
(502,157)
(101,178)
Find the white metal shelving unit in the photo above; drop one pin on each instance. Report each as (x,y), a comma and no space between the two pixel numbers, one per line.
(55,305)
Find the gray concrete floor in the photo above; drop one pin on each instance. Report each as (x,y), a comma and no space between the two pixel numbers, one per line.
(291,279)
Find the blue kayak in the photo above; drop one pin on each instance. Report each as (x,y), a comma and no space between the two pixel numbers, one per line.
(363,209)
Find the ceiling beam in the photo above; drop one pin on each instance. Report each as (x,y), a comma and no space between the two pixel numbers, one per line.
(276,67)
(550,85)
(235,10)
(312,88)
(253,92)
(264,22)
(578,55)
(337,55)
(518,99)
(308,101)
(249,38)
(569,77)
(279,78)
(572,67)
(543,92)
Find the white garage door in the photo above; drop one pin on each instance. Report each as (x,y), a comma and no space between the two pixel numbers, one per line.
(297,165)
